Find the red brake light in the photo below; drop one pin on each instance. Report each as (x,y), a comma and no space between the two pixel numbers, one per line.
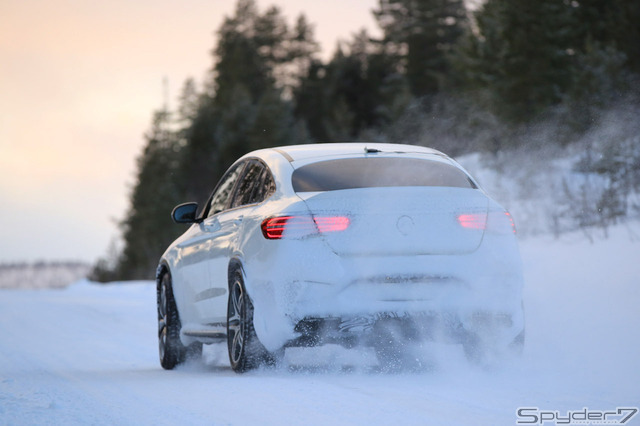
(497,222)
(331,223)
(299,226)
(273,228)
(511,221)
(473,220)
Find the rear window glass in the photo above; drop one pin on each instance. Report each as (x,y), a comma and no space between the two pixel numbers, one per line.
(348,173)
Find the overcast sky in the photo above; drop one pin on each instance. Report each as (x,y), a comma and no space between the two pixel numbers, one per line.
(79,81)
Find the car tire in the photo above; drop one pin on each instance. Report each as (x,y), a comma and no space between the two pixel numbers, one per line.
(475,350)
(393,342)
(516,348)
(485,353)
(171,350)
(245,350)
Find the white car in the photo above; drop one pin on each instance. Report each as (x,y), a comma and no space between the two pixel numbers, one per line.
(370,244)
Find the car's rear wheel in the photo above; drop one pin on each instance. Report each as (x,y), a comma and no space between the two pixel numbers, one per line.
(245,350)
(486,352)
(171,350)
(394,340)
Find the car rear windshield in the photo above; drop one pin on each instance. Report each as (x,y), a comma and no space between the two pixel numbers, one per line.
(368,172)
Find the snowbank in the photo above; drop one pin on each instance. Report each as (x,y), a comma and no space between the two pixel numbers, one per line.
(42,274)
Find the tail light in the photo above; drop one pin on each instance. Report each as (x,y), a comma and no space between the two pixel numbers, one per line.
(279,227)
(506,216)
(473,220)
(499,222)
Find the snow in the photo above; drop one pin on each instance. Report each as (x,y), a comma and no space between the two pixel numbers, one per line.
(87,354)
(41,274)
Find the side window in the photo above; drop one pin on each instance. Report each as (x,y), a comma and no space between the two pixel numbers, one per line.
(247,185)
(220,198)
(266,187)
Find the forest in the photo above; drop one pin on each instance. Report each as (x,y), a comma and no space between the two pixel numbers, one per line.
(506,76)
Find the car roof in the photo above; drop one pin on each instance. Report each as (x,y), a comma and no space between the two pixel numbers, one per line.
(283,160)
(295,153)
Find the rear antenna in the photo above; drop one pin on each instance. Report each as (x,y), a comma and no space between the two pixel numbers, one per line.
(371,150)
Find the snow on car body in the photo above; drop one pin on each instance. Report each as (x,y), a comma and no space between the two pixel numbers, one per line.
(310,244)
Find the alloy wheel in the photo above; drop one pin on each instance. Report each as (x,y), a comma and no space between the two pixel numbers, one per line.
(162,318)
(236,322)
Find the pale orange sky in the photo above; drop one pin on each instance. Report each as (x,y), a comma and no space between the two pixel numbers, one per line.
(79,81)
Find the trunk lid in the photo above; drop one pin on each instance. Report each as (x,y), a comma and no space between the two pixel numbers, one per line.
(401,220)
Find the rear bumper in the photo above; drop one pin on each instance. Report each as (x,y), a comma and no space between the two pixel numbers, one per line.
(440,326)
(455,295)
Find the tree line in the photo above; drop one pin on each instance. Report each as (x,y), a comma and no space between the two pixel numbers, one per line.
(441,75)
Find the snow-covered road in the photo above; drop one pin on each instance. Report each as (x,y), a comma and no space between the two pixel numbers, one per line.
(88,355)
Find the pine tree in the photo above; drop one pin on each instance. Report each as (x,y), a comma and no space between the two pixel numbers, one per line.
(239,58)
(199,166)
(272,123)
(607,54)
(189,101)
(357,91)
(147,228)
(303,49)
(612,24)
(255,58)
(523,54)
(422,34)
(311,105)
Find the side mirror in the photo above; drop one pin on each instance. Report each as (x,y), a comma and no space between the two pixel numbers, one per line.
(185,213)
